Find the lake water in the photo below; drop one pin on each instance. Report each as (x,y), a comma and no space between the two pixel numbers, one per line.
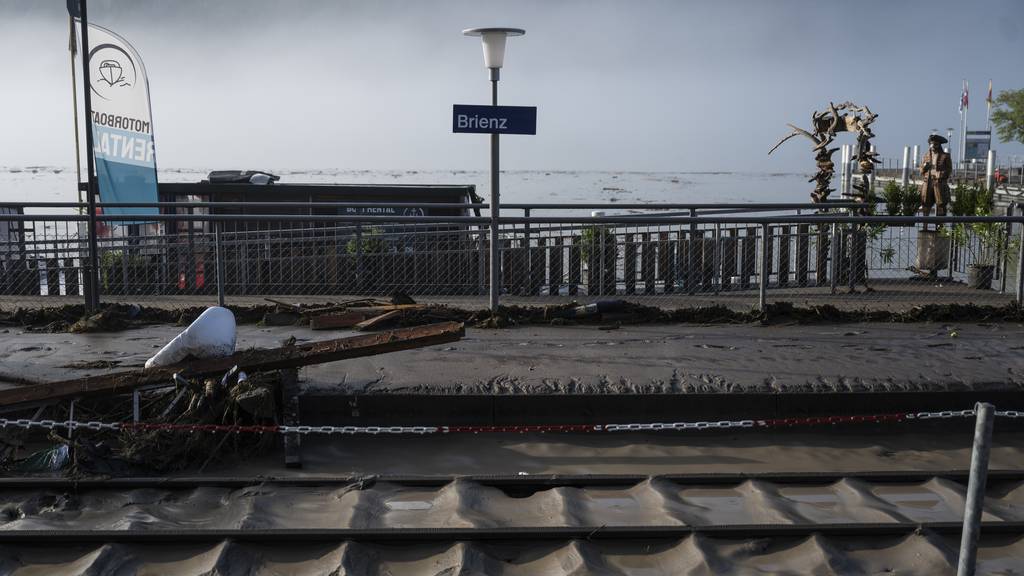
(57,184)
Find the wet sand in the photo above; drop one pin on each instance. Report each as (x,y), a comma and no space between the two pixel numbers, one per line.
(584,359)
(822,449)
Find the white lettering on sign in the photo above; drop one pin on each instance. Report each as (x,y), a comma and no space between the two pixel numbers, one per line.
(113,146)
(467,121)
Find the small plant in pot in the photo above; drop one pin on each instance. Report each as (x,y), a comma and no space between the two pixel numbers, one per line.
(984,242)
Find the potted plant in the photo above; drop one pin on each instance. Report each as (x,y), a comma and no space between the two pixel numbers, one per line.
(983,241)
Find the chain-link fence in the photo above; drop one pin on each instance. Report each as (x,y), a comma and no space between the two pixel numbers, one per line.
(697,258)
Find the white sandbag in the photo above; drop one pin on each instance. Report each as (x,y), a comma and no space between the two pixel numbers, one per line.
(212,335)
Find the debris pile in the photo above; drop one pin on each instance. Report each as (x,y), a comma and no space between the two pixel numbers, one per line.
(150,415)
(235,399)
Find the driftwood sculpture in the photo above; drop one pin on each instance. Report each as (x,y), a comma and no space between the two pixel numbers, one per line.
(846,117)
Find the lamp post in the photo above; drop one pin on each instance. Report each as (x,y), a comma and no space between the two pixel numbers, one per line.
(494,57)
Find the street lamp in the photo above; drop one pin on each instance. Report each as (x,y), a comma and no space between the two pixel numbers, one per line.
(494,58)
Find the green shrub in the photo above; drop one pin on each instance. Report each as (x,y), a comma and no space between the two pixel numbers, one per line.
(371,241)
(892,193)
(976,200)
(901,200)
(911,199)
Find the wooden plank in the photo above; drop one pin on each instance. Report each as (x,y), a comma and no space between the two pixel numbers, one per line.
(378,320)
(384,308)
(250,361)
(335,321)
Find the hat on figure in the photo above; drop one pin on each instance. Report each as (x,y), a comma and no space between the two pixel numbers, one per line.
(937,138)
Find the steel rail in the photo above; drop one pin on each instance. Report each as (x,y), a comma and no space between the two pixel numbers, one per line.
(539,481)
(602,532)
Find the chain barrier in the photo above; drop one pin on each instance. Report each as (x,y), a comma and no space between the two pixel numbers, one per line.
(507,428)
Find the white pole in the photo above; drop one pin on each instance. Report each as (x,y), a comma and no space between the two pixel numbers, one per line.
(871,177)
(842,170)
(905,174)
(849,170)
(990,176)
(917,158)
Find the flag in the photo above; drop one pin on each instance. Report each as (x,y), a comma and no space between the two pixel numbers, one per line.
(989,99)
(122,124)
(963,98)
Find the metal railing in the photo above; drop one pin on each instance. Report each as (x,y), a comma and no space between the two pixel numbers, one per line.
(672,256)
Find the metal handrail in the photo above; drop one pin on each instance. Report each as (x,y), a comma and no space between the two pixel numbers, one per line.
(627,219)
(440,205)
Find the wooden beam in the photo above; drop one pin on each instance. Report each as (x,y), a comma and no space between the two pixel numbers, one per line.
(249,360)
(387,308)
(334,321)
(377,320)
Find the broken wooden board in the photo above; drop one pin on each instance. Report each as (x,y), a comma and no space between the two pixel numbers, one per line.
(249,361)
(335,321)
(372,323)
(387,308)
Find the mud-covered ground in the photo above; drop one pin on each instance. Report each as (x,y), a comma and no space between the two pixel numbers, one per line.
(583,358)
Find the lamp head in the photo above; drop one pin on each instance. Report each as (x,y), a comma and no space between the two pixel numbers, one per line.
(494,43)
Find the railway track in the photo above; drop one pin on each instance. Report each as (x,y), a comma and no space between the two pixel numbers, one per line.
(534,534)
(539,481)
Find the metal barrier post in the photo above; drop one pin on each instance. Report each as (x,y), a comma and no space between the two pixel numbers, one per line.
(762,274)
(495,206)
(219,263)
(834,262)
(1020,266)
(1006,249)
(976,489)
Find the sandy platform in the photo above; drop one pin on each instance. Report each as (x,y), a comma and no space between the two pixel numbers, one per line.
(580,359)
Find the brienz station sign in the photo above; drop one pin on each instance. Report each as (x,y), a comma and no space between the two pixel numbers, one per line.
(494,119)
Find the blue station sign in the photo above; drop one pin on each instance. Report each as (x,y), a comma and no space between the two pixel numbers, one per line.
(494,119)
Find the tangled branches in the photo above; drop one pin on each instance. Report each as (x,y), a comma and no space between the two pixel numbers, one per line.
(846,117)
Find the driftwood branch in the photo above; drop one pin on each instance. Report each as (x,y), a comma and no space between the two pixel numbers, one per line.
(249,361)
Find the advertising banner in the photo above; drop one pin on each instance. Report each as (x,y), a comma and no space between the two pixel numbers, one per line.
(122,122)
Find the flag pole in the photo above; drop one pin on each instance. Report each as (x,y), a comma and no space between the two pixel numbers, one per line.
(73,48)
(988,114)
(92,273)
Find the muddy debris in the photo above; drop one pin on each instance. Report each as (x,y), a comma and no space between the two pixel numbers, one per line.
(116,317)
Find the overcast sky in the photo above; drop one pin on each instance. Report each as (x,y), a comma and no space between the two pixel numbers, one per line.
(620,85)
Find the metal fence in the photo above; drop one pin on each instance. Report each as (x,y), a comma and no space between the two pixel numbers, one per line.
(671,256)
(1011,174)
